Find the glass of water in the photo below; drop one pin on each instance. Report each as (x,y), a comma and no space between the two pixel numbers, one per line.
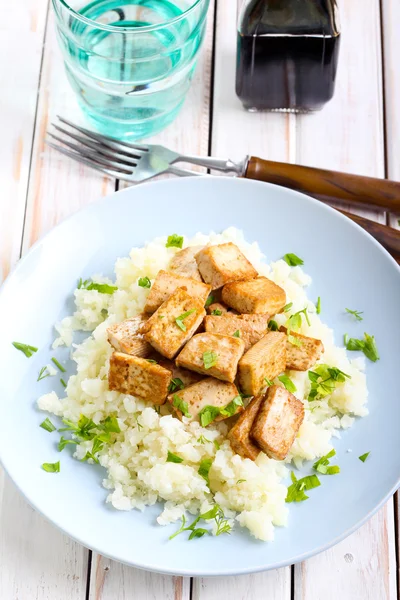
(130,62)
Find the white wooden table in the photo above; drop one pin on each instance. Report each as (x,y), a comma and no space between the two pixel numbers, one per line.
(359,131)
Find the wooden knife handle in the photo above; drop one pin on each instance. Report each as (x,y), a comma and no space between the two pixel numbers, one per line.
(387,236)
(352,189)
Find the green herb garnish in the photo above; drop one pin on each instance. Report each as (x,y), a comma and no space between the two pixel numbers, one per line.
(216,312)
(208,414)
(174,458)
(110,425)
(176,384)
(204,469)
(210,359)
(203,440)
(367,345)
(64,442)
(268,381)
(287,307)
(83,429)
(364,457)
(294,322)
(144,282)
(237,333)
(102,288)
(174,241)
(25,348)
(48,425)
(231,408)
(273,325)
(292,260)
(209,300)
(63,383)
(324,380)
(43,373)
(152,361)
(58,365)
(288,383)
(179,320)
(357,314)
(295,341)
(323,467)
(182,406)
(51,467)
(240,481)
(318,305)
(296,490)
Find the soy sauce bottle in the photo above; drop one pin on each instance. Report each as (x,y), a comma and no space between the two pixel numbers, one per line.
(287,54)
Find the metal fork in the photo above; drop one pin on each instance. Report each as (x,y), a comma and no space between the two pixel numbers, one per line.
(127,161)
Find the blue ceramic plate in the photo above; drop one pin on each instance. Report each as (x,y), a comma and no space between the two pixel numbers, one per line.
(348,269)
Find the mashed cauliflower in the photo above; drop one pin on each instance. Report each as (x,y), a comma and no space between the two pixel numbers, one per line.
(251,494)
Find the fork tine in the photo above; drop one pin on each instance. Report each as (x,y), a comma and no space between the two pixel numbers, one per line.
(92,155)
(113,155)
(90,163)
(101,137)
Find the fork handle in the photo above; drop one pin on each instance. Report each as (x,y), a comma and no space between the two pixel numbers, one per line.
(352,189)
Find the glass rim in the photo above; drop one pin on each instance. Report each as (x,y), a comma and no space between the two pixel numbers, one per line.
(114,28)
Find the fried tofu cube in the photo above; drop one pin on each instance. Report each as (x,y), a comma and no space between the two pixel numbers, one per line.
(184,263)
(126,337)
(175,321)
(223,263)
(217,306)
(166,284)
(181,378)
(304,356)
(259,295)
(264,360)
(208,392)
(277,422)
(138,377)
(212,354)
(239,434)
(250,328)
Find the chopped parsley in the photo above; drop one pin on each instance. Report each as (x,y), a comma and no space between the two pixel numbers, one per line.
(273,325)
(296,491)
(318,305)
(176,384)
(174,458)
(240,481)
(364,457)
(144,282)
(182,406)
(48,425)
(210,359)
(268,381)
(357,314)
(324,380)
(216,514)
(43,373)
(25,348)
(367,345)
(294,322)
(209,300)
(64,442)
(102,288)
(152,361)
(51,467)
(203,440)
(237,333)
(216,312)
(231,408)
(323,467)
(288,383)
(58,365)
(295,341)
(63,383)
(292,260)
(204,469)
(208,414)
(287,307)
(174,241)
(179,320)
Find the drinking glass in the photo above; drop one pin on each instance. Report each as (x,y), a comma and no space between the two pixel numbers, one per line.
(130,62)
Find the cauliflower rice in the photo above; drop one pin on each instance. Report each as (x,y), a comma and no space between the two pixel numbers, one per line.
(251,494)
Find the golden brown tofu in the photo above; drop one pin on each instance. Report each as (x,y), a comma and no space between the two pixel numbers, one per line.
(264,360)
(216,306)
(277,422)
(208,392)
(138,377)
(184,376)
(223,263)
(304,356)
(126,337)
(212,354)
(239,435)
(175,321)
(166,284)
(250,328)
(185,264)
(256,296)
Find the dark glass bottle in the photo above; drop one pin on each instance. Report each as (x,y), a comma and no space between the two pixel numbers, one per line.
(287,54)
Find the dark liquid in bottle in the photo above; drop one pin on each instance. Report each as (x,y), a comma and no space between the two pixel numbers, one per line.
(287,55)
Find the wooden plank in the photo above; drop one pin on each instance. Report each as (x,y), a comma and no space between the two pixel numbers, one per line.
(25,21)
(114,581)
(189,134)
(260,586)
